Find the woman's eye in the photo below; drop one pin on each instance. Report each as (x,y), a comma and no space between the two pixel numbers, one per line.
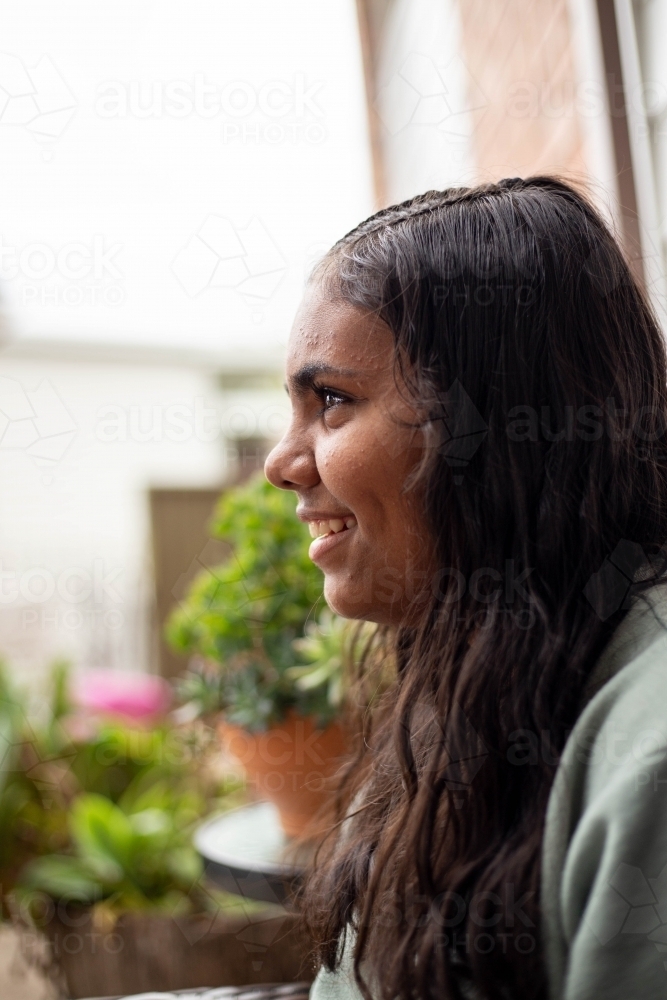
(331,399)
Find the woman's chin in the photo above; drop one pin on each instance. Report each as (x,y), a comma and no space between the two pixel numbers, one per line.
(344,602)
(341,601)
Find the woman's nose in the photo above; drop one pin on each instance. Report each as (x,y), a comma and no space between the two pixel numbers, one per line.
(290,465)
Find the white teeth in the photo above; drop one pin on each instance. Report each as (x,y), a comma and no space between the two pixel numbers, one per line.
(330,526)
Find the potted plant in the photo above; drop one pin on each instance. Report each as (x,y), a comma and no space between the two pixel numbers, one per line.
(268,661)
(127,909)
(97,806)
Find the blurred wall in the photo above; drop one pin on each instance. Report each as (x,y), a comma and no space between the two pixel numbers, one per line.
(82,445)
(521,57)
(464,91)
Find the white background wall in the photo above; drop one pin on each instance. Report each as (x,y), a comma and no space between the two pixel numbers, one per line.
(74,530)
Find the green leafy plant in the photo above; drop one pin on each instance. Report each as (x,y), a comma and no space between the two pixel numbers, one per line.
(260,598)
(101,813)
(323,648)
(242,618)
(134,855)
(33,769)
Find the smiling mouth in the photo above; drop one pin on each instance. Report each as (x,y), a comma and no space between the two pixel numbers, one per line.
(331,526)
(329,533)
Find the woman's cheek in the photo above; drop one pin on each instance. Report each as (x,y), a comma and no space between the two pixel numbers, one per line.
(344,458)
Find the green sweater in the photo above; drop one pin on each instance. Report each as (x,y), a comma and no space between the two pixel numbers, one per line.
(604,862)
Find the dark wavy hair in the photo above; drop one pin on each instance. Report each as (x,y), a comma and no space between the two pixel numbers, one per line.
(540,369)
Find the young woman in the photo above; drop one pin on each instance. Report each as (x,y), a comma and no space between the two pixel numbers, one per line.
(479,444)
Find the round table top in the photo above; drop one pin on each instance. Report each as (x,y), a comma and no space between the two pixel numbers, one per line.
(246,852)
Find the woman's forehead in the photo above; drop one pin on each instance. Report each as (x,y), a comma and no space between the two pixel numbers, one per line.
(338,333)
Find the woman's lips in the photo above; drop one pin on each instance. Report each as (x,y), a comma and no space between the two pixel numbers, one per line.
(329,533)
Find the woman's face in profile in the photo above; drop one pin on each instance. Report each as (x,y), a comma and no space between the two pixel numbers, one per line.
(352,444)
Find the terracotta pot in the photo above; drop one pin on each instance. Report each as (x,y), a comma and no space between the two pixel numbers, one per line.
(292,765)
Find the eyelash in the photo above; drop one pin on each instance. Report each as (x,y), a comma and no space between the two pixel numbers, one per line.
(322,391)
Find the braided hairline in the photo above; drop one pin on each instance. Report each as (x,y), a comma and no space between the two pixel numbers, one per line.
(423,204)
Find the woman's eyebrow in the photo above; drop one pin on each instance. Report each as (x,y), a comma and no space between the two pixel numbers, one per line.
(303,380)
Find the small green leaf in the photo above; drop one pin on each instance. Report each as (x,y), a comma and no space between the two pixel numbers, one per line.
(63,878)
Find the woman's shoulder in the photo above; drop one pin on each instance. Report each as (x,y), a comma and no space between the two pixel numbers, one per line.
(605,841)
(622,731)
(624,723)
